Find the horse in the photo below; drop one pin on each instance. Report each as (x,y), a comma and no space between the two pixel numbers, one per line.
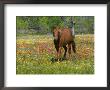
(63,38)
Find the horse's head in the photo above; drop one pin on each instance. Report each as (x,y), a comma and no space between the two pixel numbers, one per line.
(56,33)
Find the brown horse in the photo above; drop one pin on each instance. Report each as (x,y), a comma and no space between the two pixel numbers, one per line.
(63,38)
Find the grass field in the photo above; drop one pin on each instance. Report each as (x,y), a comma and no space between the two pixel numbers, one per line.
(34,54)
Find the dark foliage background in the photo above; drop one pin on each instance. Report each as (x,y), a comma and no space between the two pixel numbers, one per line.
(44,24)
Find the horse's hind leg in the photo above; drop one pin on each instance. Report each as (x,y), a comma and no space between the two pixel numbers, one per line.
(74,46)
(69,50)
(65,48)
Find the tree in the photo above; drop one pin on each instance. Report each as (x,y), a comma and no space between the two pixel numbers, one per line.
(44,24)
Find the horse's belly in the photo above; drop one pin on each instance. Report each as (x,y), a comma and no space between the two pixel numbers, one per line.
(65,40)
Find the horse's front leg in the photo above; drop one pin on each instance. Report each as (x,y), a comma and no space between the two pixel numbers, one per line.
(57,49)
(69,50)
(65,48)
(58,54)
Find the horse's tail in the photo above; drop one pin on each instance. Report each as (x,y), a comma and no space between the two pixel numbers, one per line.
(74,46)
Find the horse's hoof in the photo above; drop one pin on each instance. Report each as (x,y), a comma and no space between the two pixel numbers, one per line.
(53,59)
(64,58)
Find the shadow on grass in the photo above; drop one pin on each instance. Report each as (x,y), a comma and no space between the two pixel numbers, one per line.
(56,60)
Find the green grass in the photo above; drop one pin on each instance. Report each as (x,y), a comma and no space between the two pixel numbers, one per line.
(34,54)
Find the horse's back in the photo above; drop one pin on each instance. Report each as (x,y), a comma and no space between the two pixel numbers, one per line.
(67,34)
(66,37)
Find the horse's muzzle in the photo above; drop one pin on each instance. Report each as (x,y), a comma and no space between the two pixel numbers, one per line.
(55,38)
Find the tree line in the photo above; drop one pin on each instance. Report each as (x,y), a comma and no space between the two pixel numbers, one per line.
(44,24)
